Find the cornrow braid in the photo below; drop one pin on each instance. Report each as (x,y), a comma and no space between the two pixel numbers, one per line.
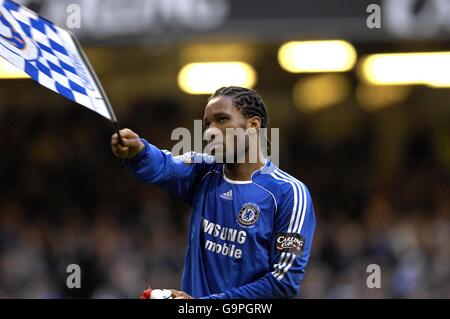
(246,100)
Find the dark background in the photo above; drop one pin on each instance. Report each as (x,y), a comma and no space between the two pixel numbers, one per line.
(379,179)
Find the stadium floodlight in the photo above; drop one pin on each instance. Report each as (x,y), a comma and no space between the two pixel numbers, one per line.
(317,56)
(206,77)
(427,68)
(316,92)
(442,78)
(9,71)
(373,98)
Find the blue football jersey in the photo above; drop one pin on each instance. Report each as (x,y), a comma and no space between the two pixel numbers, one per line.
(247,239)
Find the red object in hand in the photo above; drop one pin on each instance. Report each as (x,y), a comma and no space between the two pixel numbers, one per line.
(146,294)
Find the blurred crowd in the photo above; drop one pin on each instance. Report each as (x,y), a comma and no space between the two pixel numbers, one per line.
(65,199)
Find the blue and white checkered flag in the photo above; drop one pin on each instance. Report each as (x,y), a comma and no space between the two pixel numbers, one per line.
(51,56)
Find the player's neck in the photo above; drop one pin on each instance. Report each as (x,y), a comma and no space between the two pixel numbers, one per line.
(242,171)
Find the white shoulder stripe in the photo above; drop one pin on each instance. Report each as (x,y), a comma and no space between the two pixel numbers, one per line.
(295,206)
(297,227)
(285,258)
(288,259)
(296,223)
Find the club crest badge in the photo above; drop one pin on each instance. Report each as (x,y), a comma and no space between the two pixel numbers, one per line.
(248,215)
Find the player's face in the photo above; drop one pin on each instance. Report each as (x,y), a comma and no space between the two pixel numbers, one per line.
(220,115)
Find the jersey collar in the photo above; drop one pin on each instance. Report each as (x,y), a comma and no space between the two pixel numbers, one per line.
(266,169)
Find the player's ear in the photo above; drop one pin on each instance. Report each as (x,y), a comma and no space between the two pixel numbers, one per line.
(254,122)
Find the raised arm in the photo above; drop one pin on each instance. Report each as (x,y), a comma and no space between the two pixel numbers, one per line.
(177,174)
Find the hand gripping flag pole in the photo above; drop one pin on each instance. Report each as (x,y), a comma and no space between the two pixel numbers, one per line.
(51,56)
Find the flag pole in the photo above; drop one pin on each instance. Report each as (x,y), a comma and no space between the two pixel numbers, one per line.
(99,85)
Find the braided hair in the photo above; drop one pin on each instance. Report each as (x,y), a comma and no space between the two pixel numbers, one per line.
(247,101)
